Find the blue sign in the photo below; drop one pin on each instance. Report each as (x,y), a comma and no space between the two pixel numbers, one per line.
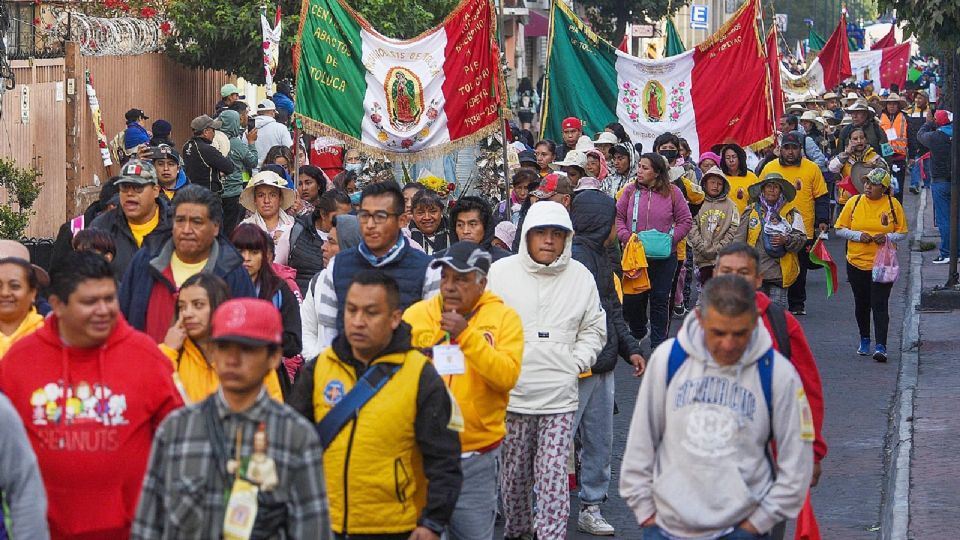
(699,16)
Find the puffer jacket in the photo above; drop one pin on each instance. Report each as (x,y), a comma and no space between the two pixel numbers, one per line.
(242,154)
(115,223)
(715,225)
(564,326)
(593,215)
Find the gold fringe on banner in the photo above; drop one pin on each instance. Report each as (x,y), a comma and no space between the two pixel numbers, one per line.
(720,34)
(318,129)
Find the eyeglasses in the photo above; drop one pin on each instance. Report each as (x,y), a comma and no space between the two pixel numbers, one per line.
(136,188)
(379,217)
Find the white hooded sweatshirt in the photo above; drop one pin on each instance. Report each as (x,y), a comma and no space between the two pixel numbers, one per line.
(564,326)
(696,453)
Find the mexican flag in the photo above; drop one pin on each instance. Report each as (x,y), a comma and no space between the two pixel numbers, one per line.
(407,100)
(821,257)
(884,66)
(828,70)
(691,94)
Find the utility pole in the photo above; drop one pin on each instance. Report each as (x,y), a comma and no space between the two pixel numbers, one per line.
(73,81)
(952,278)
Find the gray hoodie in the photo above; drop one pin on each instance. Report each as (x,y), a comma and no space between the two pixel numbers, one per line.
(20,478)
(242,154)
(696,450)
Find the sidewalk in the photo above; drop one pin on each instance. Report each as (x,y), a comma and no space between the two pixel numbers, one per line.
(934,481)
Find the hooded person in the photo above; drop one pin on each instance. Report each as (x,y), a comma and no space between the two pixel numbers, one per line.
(733,163)
(715,225)
(473,220)
(565,329)
(270,133)
(623,169)
(243,155)
(684,481)
(593,213)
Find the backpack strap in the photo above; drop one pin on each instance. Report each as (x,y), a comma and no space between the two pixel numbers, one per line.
(765,369)
(277,299)
(777,316)
(677,357)
(369,384)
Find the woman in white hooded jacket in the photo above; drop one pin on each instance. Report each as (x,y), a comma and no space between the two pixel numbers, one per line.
(564,331)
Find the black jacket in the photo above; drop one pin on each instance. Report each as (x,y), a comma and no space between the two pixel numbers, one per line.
(306,256)
(115,223)
(441,240)
(593,213)
(289,308)
(875,135)
(939,144)
(439,446)
(205,165)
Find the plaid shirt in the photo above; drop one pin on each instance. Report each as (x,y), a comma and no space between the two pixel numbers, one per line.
(183,493)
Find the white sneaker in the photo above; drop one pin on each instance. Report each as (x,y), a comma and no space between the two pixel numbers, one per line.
(591,521)
(941,260)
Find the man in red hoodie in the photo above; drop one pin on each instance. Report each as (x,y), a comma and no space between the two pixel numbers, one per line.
(91,392)
(739,258)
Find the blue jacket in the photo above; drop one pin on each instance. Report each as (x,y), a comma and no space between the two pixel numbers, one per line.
(146,270)
(283,102)
(134,135)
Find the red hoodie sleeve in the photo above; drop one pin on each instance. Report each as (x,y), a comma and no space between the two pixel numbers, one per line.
(806,366)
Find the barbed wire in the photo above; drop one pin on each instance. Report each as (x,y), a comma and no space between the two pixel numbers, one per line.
(118,36)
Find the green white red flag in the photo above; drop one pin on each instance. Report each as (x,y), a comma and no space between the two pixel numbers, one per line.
(821,257)
(408,100)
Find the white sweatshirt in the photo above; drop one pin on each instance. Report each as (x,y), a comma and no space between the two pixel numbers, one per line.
(696,456)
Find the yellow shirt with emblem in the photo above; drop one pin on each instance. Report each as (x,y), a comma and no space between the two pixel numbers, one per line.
(141,231)
(183,270)
(808,181)
(872,217)
(197,378)
(740,189)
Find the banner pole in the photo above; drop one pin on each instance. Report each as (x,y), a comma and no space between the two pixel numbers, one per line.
(503,107)
(763,31)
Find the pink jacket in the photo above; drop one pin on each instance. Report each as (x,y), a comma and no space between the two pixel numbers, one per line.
(655,212)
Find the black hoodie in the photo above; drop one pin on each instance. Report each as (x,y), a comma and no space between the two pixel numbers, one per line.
(593,214)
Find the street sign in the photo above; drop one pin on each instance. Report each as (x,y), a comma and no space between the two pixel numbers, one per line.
(642,30)
(699,16)
(781,21)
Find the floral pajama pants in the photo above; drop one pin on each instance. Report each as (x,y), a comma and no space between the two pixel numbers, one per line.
(535,453)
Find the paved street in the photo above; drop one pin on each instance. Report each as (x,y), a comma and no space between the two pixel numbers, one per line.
(858,394)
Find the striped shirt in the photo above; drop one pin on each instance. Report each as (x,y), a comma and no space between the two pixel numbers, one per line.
(183,492)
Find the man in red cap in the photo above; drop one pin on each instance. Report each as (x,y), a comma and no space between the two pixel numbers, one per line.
(572,130)
(263,457)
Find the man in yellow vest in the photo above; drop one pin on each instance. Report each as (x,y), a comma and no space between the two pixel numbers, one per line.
(477,343)
(384,417)
(773,227)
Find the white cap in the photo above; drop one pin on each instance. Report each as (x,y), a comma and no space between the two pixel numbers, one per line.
(266,105)
(574,158)
(606,138)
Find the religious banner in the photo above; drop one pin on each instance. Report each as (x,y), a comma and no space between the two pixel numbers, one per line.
(691,94)
(271,46)
(407,100)
(97,118)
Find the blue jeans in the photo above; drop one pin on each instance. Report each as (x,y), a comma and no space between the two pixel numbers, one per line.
(941,214)
(661,272)
(654,533)
(594,423)
(475,514)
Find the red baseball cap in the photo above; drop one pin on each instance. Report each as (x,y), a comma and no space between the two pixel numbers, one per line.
(249,321)
(942,117)
(572,122)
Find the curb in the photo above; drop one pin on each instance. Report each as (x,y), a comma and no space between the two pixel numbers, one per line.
(895,510)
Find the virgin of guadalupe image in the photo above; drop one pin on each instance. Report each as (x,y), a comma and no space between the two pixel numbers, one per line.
(403,93)
(653,103)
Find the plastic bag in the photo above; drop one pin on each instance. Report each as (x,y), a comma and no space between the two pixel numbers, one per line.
(886,268)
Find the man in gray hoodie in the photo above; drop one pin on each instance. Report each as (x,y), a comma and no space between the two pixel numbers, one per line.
(243,155)
(20,483)
(698,458)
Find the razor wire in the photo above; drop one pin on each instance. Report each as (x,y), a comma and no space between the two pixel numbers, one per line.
(117,36)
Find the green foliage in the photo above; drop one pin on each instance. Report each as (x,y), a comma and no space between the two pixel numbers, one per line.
(225,34)
(609,18)
(22,191)
(936,23)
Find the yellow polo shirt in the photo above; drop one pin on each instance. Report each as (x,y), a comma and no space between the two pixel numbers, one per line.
(871,217)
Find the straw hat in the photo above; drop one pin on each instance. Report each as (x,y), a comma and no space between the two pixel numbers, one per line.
(813,116)
(14,249)
(860,105)
(852,97)
(895,98)
(267,178)
(829,118)
(786,188)
(830,95)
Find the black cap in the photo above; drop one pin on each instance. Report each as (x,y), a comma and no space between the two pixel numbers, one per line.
(135,114)
(165,151)
(792,137)
(465,257)
(527,156)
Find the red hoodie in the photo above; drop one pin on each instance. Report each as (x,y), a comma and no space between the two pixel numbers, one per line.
(806,366)
(92,435)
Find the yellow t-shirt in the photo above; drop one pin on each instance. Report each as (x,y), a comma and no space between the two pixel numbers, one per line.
(182,271)
(808,180)
(871,217)
(141,231)
(739,189)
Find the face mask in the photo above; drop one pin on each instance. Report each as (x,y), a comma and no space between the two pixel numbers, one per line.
(355,197)
(353,167)
(670,155)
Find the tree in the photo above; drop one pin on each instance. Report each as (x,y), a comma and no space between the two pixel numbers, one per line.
(225,34)
(23,189)
(936,23)
(609,18)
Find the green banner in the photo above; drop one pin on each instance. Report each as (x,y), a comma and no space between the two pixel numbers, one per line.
(674,44)
(331,76)
(581,77)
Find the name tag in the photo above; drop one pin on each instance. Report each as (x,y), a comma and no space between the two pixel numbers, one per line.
(241,511)
(448,360)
